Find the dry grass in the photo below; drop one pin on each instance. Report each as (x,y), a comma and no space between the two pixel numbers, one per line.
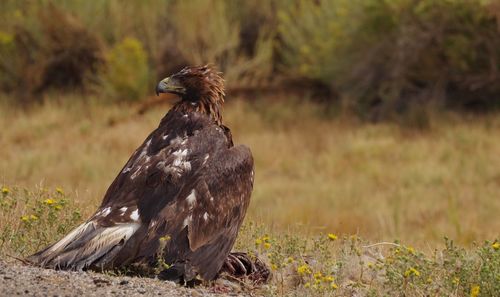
(377,181)
(315,176)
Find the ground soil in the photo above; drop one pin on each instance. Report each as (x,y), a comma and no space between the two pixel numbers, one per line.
(17,279)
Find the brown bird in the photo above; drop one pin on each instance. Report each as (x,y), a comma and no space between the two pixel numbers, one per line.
(181,197)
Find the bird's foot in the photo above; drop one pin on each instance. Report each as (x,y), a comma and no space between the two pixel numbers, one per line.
(241,266)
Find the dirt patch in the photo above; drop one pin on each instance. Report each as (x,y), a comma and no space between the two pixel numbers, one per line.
(20,280)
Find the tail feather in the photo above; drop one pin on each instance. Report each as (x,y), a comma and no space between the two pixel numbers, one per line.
(86,246)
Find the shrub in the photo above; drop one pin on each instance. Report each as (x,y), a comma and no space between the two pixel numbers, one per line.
(126,75)
(384,59)
(313,36)
(72,53)
(213,36)
(53,50)
(387,57)
(7,66)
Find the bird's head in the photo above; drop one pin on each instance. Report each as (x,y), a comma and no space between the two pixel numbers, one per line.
(201,88)
(195,84)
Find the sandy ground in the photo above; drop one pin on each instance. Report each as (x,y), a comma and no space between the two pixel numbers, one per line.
(20,280)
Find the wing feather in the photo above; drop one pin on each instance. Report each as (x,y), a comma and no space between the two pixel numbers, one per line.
(203,222)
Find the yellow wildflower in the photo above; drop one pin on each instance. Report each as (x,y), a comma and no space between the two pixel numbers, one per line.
(307,285)
(274,266)
(317,281)
(496,245)
(5,190)
(328,279)
(33,217)
(266,238)
(59,190)
(25,218)
(267,245)
(49,201)
(58,207)
(165,238)
(258,241)
(412,271)
(410,250)
(455,280)
(334,286)
(332,236)
(304,269)
(318,275)
(290,260)
(475,290)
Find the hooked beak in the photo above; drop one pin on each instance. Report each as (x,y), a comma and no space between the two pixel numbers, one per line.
(170,85)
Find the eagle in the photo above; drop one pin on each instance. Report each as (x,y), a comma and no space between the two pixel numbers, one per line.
(181,197)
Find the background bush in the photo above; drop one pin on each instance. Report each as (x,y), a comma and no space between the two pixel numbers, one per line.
(379,58)
(54,50)
(126,76)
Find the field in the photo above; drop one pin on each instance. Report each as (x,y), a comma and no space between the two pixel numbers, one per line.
(376,180)
(316,176)
(374,125)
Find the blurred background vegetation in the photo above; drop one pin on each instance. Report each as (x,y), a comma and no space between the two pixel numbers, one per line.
(377,117)
(378,59)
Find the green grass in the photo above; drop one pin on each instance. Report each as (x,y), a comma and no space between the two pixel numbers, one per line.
(314,176)
(35,218)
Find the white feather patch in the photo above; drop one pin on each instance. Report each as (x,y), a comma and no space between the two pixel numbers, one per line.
(145,149)
(135,215)
(136,172)
(107,211)
(118,232)
(206,159)
(180,153)
(179,164)
(176,140)
(104,212)
(191,198)
(110,236)
(70,237)
(187,221)
(142,158)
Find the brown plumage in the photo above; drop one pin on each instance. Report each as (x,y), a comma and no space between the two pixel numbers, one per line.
(182,195)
